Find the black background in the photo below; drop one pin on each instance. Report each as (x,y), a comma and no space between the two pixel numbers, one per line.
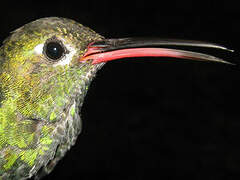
(157,117)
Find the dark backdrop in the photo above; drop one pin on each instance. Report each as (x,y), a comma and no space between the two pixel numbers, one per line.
(149,116)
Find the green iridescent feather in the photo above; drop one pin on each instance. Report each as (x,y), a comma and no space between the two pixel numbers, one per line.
(40,100)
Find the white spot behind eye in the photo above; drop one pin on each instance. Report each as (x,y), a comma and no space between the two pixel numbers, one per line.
(66,58)
(39,49)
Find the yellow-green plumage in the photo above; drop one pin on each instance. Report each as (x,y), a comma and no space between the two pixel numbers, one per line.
(46,67)
(40,99)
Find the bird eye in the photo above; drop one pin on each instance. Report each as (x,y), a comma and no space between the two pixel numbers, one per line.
(54,50)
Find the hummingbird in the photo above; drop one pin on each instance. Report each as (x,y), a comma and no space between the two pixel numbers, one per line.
(46,67)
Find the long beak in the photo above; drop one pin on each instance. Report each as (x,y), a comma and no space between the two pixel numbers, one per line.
(111,49)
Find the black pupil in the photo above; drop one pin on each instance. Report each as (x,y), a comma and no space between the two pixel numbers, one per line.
(54,50)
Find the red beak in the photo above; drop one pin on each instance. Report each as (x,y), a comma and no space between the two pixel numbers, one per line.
(111,49)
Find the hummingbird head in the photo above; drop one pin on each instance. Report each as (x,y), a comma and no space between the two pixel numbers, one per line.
(49,62)
(46,67)
(42,69)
